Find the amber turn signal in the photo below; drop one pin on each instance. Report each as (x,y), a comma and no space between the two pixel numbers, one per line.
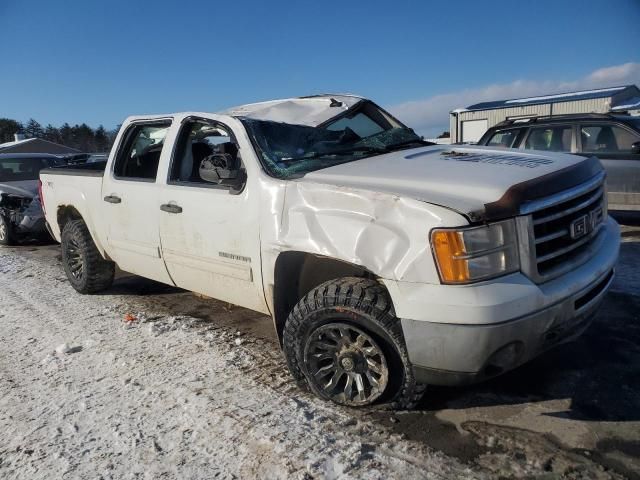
(448,246)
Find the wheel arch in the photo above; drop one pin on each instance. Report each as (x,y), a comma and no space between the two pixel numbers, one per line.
(296,273)
(68,213)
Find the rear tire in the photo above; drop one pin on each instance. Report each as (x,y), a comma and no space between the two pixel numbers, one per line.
(7,236)
(86,270)
(344,342)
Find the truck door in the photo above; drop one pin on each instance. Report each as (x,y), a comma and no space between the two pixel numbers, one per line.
(612,143)
(210,233)
(130,200)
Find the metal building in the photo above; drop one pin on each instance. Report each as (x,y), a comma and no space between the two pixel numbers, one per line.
(468,124)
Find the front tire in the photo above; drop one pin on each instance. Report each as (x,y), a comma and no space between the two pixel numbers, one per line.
(86,270)
(344,342)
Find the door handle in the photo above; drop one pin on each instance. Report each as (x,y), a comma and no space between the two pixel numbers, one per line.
(170,208)
(112,199)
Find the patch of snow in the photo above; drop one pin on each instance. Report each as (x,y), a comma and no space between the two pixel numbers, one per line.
(208,407)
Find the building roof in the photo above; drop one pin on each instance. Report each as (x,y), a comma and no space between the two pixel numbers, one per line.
(7,145)
(560,97)
(35,145)
(632,103)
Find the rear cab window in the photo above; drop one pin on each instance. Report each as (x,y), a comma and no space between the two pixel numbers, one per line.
(139,156)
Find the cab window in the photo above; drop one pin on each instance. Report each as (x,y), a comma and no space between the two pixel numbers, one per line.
(504,138)
(552,139)
(359,123)
(139,157)
(199,140)
(366,120)
(606,139)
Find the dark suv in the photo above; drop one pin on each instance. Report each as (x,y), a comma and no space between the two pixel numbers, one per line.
(614,139)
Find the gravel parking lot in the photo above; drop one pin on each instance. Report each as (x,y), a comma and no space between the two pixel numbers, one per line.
(149,381)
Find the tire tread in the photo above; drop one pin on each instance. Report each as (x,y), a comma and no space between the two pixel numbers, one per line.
(363,296)
(99,272)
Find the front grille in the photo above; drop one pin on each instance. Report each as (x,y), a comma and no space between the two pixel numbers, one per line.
(562,229)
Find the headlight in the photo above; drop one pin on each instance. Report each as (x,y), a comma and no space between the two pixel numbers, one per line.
(466,255)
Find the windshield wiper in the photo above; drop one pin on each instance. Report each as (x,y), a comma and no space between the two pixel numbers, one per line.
(344,151)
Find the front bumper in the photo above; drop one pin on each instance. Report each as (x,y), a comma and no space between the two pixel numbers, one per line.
(455,342)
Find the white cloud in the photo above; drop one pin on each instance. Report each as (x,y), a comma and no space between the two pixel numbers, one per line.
(430,116)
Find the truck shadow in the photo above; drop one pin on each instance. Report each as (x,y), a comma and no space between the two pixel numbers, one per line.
(129,284)
(629,218)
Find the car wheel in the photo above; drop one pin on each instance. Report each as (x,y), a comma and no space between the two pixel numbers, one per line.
(86,270)
(344,342)
(6,231)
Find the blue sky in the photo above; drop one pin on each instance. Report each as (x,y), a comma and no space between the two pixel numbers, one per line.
(97,62)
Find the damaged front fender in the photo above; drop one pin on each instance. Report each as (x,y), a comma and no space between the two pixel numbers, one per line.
(383,233)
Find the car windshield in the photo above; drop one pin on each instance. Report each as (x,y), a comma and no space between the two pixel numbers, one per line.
(635,122)
(288,150)
(21,169)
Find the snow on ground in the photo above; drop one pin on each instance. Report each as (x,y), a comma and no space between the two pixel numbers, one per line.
(85,394)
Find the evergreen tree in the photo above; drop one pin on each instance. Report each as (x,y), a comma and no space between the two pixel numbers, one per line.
(81,137)
(33,129)
(65,134)
(113,134)
(52,134)
(102,141)
(8,128)
(85,138)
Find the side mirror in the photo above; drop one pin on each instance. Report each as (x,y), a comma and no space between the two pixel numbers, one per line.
(223,169)
(635,148)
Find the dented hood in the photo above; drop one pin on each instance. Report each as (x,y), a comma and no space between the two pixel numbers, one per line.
(482,183)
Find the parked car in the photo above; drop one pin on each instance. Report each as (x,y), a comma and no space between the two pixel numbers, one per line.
(614,139)
(21,215)
(386,263)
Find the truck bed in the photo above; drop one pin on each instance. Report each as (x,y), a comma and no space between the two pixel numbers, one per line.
(77,187)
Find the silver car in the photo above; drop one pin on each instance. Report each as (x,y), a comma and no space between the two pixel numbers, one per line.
(614,139)
(21,214)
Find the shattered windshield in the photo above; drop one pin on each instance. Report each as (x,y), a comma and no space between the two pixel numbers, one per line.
(289,150)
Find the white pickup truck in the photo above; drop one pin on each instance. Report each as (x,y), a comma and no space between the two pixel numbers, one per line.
(385,262)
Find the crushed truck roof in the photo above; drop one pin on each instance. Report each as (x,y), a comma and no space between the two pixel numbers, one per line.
(311,110)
